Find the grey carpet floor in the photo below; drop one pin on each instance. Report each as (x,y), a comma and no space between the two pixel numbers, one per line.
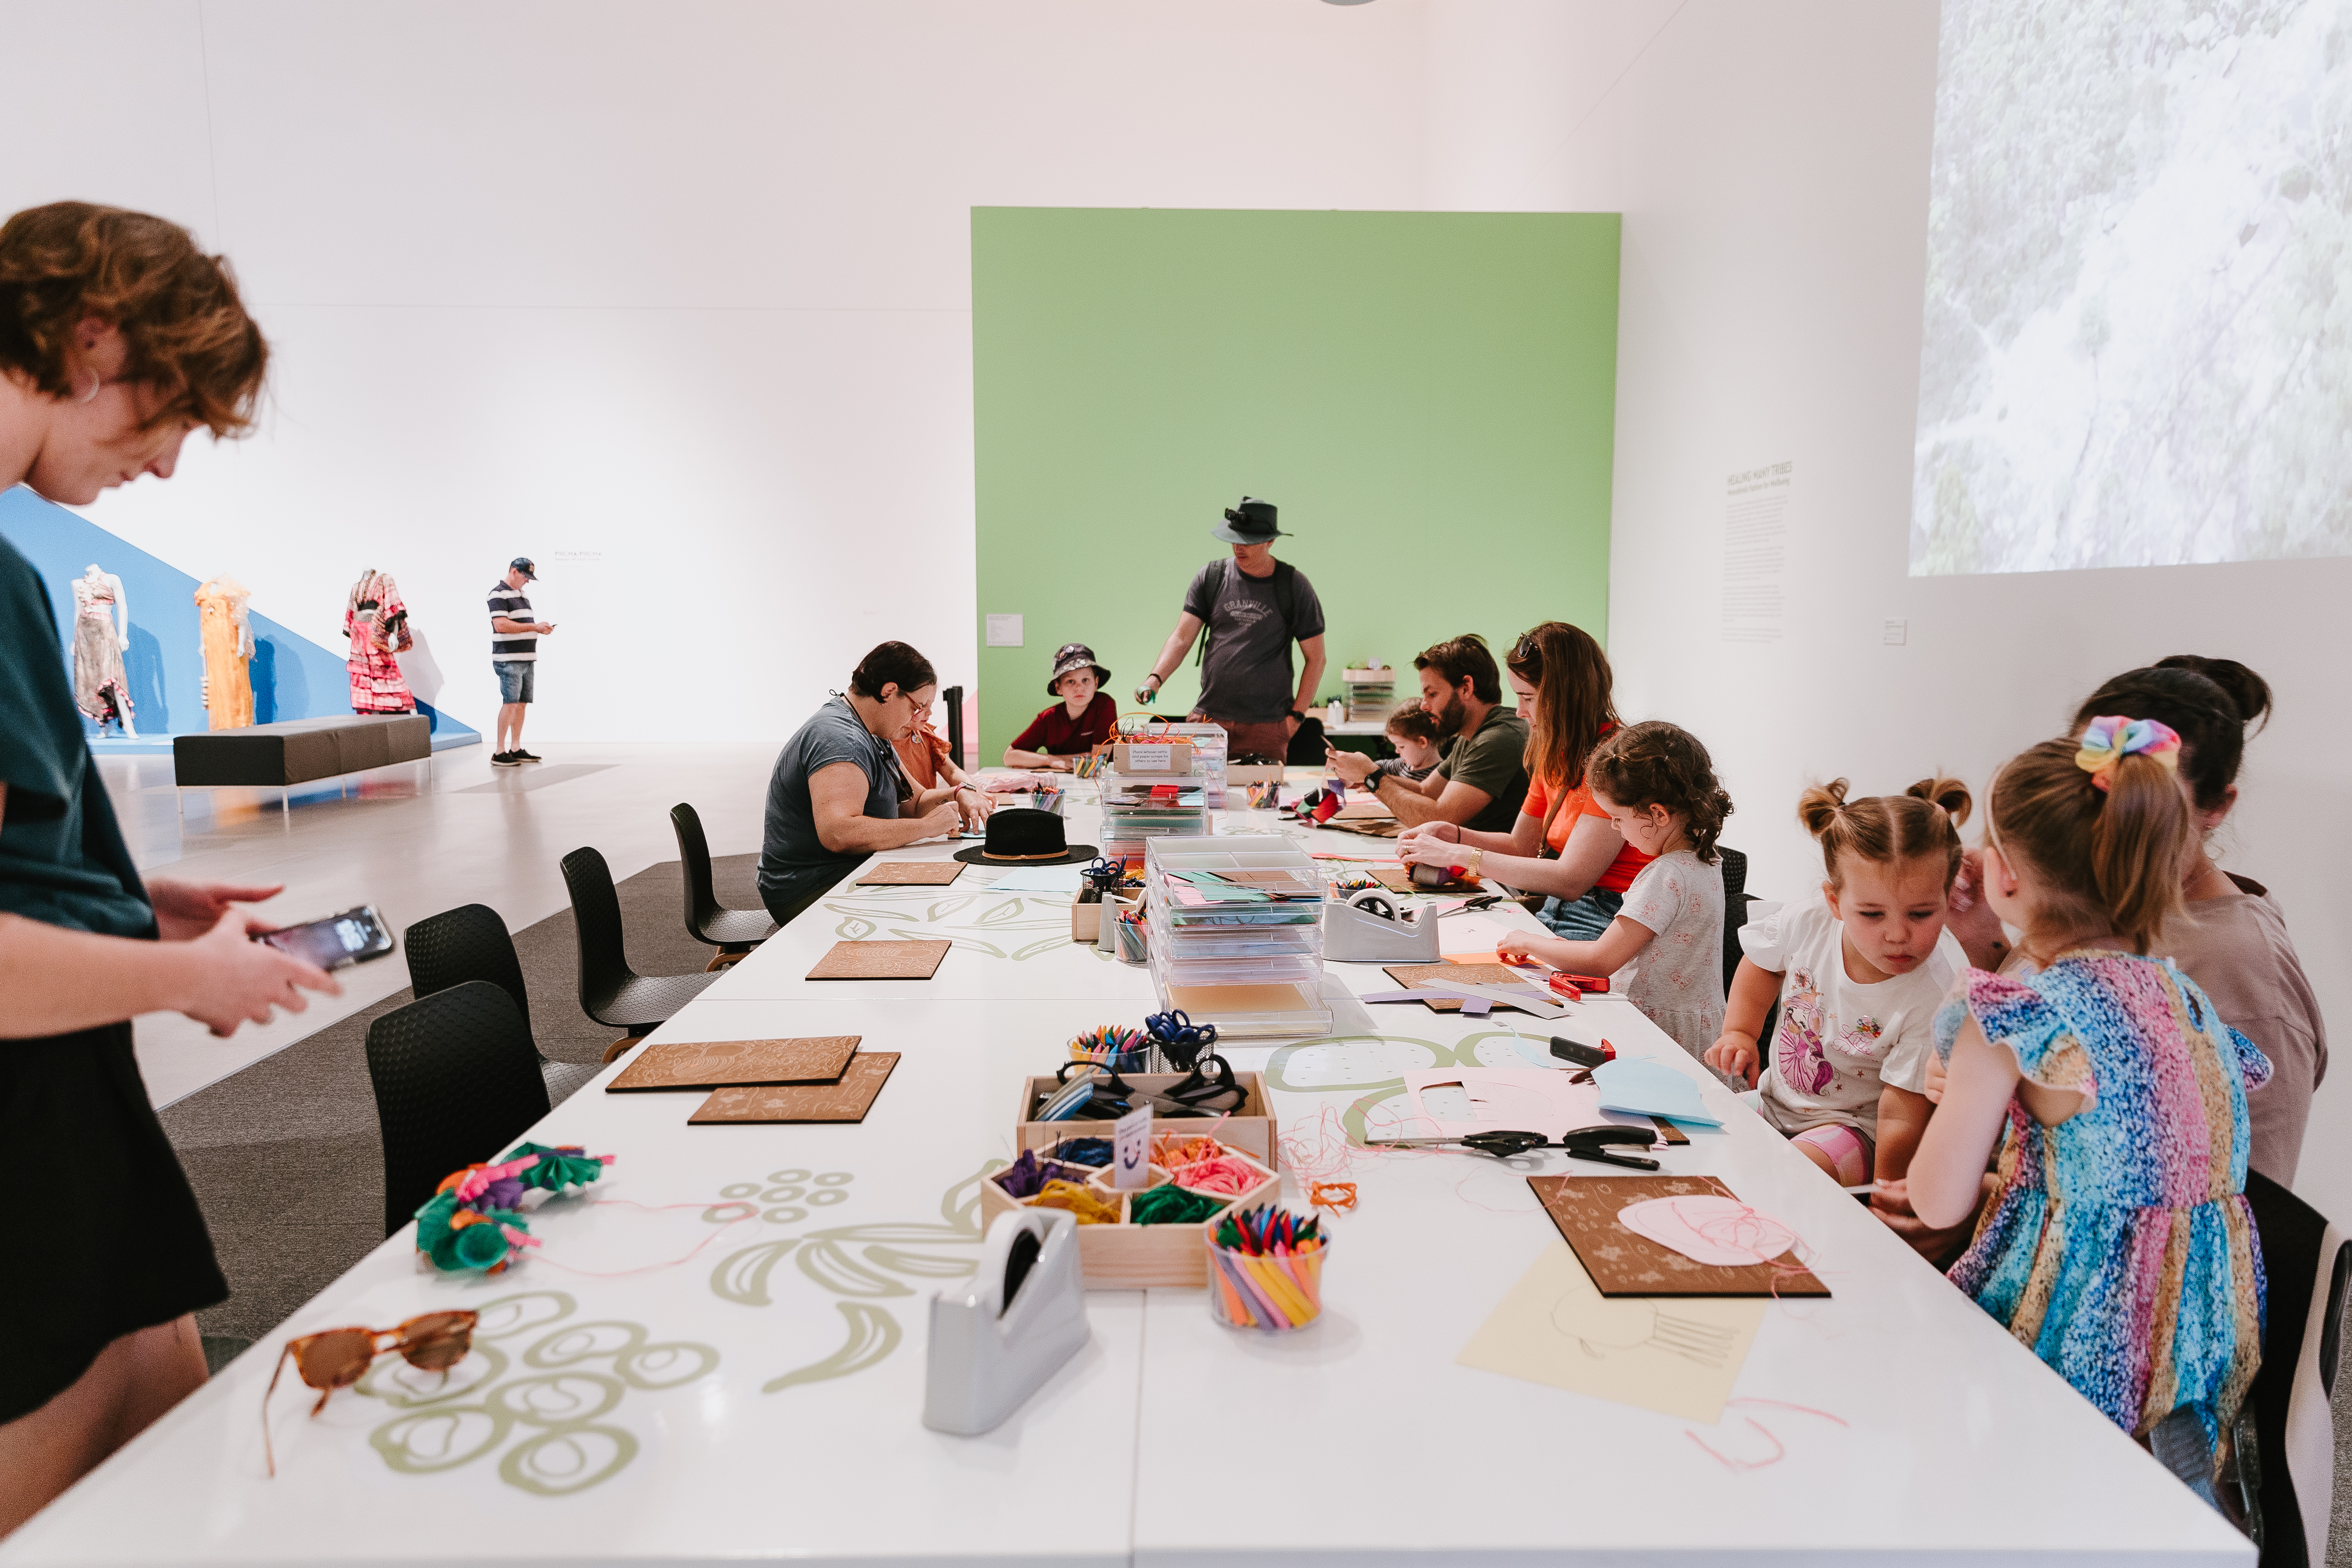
(285,1158)
(286,1162)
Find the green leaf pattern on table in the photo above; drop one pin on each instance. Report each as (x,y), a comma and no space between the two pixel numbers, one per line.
(966,919)
(452,1419)
(860,1261)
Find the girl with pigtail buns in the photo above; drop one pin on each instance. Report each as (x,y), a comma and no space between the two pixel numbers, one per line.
(2117,1097)
(1858,969)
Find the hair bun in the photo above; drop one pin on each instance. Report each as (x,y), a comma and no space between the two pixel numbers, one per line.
(1819,806)
(2247,691)
(1950,794)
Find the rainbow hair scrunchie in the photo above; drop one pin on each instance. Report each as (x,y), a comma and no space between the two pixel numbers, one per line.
(2108,741)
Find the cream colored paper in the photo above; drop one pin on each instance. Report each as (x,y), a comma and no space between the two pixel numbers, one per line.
(1676,1355)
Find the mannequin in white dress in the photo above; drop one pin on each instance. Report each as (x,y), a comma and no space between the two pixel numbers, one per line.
(101,636)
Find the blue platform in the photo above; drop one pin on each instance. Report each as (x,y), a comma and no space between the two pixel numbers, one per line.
(293,678)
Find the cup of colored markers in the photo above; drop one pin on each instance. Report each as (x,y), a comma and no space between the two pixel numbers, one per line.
(1266,1270)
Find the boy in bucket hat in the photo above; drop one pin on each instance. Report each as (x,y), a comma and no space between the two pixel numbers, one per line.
(1081,722)
(1252,607)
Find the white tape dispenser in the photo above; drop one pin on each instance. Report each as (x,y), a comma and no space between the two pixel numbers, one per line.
(993,1348)
(1373,927)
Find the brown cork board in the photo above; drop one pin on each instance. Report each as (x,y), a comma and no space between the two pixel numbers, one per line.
(847,1100)
(715,1064)
(1585,1209)
(1399,880)
(910,874)
(1411,976)
(881,961)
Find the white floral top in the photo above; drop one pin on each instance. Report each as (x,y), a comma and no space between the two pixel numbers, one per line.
(1677,980)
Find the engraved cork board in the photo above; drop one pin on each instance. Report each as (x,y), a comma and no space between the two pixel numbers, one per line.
(911,874)
(881,961)
(1411,976)
(847,1100)
(1585,1209)
(715,1064)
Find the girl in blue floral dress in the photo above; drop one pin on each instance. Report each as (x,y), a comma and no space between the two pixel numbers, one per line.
(2118,1245)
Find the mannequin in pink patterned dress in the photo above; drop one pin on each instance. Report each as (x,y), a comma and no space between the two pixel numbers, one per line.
(377,623)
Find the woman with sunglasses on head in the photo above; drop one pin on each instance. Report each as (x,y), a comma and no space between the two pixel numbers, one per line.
(1563,843)
(118,337)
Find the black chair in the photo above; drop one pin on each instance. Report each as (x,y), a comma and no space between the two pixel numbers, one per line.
(2308,1264)
(457,1081)
(1736,899)
(733,932)
(470,943)
(610,990)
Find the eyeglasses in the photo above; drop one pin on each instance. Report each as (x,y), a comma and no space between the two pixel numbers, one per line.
(338,1358)
(1525,650)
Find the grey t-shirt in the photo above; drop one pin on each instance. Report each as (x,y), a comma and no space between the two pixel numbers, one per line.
(793,861)
(1248,676)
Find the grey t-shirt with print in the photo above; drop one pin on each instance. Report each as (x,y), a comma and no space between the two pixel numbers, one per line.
(1246,676)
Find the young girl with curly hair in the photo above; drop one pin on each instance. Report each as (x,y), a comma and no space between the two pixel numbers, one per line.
(1665,948)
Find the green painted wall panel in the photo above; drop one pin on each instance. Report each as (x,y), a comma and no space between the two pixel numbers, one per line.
(1429,397)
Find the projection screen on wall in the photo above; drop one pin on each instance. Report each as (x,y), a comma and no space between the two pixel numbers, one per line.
(2138,326)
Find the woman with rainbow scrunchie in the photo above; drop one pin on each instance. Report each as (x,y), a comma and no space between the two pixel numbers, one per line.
(2118,1245)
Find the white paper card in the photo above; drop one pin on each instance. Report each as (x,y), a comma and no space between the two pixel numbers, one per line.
(1037,879)
(1130,1150)
(1141,759)
(1004,631)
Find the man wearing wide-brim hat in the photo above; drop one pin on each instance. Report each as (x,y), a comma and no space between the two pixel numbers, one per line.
(1253,608)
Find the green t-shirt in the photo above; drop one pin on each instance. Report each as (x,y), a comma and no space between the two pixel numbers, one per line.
(62,859)
(1493,760)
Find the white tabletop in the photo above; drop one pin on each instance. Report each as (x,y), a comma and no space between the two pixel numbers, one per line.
(1894,1421)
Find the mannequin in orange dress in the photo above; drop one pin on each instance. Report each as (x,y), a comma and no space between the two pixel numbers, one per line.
(228,644)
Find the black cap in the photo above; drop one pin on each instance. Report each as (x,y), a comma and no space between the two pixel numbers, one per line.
(1252,523)
(522,563)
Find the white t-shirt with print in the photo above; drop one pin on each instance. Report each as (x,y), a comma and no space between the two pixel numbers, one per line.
(1677,980)
(1838,1039)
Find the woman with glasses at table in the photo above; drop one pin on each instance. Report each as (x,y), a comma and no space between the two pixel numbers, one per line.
(1562,844)
(118,337)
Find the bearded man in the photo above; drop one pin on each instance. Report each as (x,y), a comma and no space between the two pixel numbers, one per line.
(1484,778)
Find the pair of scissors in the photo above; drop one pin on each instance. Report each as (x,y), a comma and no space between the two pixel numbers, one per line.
(1584,1143)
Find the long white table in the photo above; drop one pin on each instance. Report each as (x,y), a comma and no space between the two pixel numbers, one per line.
(721,1355)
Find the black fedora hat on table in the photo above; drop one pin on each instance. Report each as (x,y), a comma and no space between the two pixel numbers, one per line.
(1252,523)
(1023,836)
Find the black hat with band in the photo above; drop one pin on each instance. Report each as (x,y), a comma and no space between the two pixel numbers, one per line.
(1023,836)
(1073,656)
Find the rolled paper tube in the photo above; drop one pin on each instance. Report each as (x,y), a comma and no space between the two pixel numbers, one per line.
(1088,1208)
(1275,1280)
(1264,1313)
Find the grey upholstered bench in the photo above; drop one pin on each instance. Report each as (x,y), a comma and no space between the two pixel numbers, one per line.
(298,751)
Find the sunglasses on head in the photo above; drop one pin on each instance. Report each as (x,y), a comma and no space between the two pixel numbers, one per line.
(338,1358)
(1525,650)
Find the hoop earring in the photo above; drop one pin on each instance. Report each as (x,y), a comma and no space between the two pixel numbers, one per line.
(96,381)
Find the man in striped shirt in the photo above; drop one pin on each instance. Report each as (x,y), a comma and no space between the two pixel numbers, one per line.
(514,654)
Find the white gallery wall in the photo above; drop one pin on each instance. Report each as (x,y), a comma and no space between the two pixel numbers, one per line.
(1770,159)
(676,298)
(673,298)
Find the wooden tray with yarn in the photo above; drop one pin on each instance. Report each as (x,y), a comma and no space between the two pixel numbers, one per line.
(916,960)
(1411,976)
(1127,1255)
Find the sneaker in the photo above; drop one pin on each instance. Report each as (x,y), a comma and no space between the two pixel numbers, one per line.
(519,755)
(505,760)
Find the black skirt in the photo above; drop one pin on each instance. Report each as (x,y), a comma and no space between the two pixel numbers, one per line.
(108,1237)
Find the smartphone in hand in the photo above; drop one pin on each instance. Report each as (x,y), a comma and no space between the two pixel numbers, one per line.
(352,937)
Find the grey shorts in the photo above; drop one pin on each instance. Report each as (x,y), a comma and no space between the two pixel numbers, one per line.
(516,678)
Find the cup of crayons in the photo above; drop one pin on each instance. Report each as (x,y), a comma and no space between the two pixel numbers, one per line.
(1266,1270)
